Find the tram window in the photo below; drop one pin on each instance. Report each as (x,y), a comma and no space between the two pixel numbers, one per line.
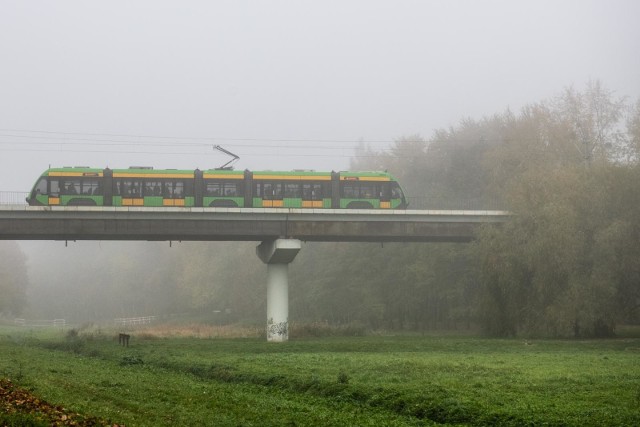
(312,191)
(325,190)
(350,191)
(361,191)
(396,192)
(292,190)
(125,188)
(153,188)
(174,190)
(367,191)
(385,191)
(223,189)
(130,188)
(231,189)
(213,189)
(41,187)
(136,189)
(54,186)
(70,187)
(269,190)
(277,190)
(260,191)
(90,187)
(307,191)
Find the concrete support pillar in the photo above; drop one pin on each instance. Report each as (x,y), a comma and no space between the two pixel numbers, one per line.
(277,254)
(277,302)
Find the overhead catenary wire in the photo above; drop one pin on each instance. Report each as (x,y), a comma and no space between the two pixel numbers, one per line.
(102,137)
(58,141)
(91,141)
(173,153)
(207,141)
(55,141)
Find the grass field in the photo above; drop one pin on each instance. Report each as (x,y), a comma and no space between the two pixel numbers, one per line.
(375,380)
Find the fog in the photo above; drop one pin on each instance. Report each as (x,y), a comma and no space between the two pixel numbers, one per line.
(284,84)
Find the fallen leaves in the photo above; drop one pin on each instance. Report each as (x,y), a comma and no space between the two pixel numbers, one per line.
(15,400)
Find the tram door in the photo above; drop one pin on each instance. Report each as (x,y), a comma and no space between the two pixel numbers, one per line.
(312,195)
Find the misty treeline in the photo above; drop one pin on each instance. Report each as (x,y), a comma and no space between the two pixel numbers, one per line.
(567,263)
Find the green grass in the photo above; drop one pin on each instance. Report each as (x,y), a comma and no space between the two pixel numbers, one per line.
(404,380)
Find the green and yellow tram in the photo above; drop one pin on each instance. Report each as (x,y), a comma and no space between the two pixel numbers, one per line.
(145,186)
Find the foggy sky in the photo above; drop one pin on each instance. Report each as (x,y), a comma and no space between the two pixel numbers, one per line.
(264,78)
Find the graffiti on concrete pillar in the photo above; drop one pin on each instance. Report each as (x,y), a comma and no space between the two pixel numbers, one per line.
(279,329)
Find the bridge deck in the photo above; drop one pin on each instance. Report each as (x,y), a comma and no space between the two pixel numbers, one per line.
(20,222)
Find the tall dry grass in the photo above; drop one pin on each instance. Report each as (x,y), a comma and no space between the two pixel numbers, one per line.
(199,330)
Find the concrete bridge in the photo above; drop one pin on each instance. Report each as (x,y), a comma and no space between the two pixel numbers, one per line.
(281,232)
(23,222)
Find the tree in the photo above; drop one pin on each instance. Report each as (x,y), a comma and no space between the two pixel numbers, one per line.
(568,262)
(633,126)
(593,115)
(560,266)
